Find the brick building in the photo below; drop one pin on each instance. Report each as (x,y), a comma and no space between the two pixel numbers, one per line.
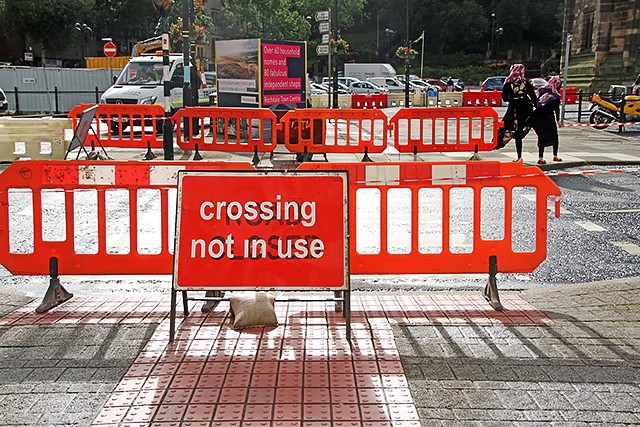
(605,44)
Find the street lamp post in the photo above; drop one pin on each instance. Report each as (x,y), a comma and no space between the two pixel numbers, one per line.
(334,58)
(82,29)
(499,32)
(493,35)
(567,51)
(109,40)
(407,63)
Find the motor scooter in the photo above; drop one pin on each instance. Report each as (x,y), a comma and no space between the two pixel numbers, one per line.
(606,109)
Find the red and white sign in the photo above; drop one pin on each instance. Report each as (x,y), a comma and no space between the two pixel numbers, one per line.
(251,230)
(109,49)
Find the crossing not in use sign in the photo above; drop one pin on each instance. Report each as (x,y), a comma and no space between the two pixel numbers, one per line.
(261,230)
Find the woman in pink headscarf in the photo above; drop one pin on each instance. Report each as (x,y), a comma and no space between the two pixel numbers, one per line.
(546,118)
(521,96)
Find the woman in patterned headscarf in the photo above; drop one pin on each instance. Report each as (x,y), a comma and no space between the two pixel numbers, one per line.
(521,96)
(546,118)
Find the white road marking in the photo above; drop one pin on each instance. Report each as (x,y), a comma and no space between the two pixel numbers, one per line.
(590,226)
(631,248)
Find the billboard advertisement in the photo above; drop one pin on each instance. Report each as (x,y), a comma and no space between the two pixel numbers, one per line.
(283,74)
(237,63)
(261,73)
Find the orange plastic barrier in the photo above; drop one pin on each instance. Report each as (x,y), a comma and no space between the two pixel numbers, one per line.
(471,129)
(335,131)
(425,218)
(226,129)
(482,98)
(123,125)
(70,210)
(369,101)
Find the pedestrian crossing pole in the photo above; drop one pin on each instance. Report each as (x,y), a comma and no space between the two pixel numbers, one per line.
(167,130)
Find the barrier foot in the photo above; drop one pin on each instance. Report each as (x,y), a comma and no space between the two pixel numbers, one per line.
(491,289)
(338,304)
(476,155)
(56,294)
(172,315)
(304,156)
(209,305)
(185,304)
(149,155)
(197,156)
(366,157)
(256,159)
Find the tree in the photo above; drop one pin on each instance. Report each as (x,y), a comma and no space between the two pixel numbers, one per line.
(124,20)
(49,23)
(269,19)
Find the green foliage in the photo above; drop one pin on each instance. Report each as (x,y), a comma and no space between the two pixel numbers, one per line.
(269,19)
(49,23)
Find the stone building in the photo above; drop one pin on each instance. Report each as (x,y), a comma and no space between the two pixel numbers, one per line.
(605,42)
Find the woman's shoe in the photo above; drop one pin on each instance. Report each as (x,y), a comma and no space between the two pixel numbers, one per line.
(542,161)
(557,159)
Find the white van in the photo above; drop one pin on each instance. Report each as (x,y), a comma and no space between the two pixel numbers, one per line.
(140,82)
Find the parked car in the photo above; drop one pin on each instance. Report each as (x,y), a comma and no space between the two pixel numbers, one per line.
(4,104)
(538,82)
(494,83)
(344,80)
(442,86)
(424,86)
(342,88)
(458,85)
(361,87)
(317,89)
(391,84)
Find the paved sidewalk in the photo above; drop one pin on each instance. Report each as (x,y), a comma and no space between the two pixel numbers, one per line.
(568,355)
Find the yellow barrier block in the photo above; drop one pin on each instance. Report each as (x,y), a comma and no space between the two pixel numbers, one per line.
(34,138)
(450,99)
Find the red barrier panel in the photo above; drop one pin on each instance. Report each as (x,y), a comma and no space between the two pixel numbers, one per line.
(471,129)
(482,98)
(74,211)
(226,129)
(335,130)
(572,95)
(424,218)
(369,100)
(123,125)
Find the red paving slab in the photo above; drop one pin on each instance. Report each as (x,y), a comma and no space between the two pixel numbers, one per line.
(302,373)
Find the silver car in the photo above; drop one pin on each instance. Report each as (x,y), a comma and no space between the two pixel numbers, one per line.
(4,104)
(365,88)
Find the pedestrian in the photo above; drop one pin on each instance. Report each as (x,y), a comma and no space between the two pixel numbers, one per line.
(636,85)
(450,84)
(521,96)
(546,118)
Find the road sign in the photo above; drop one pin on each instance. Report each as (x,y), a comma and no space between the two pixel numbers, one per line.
(258,230)
(325,38)
(109,49)
(324,27)
(322,49)
(322,15)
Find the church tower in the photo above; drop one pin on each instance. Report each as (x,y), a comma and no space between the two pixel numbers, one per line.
(605,42)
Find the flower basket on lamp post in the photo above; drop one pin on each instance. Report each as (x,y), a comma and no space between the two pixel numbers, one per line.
(339,46)
(404,52)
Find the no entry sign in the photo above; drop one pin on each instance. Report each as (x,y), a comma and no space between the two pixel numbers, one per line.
(261,230)
(109,49)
